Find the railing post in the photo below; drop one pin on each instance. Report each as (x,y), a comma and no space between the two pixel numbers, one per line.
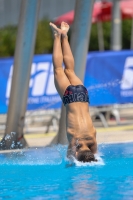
(116,26)
(131,47)
(21,73)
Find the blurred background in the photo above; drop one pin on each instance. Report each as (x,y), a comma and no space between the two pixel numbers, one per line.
(50,11)
(108,74)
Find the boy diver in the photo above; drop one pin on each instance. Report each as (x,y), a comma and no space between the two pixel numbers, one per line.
(81,133)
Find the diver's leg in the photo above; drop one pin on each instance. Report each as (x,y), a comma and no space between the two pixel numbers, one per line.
(60,78)
(68,56)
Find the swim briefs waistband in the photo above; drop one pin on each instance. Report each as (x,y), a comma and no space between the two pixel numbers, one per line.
(76,93)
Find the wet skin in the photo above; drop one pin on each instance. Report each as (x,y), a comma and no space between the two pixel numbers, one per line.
(81,133)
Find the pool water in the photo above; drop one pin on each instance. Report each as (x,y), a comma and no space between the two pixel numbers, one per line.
(44,173)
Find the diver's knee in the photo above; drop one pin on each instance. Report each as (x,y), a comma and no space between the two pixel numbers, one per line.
(69,72)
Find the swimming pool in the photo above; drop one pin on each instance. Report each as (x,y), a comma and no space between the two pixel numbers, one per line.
(44,174)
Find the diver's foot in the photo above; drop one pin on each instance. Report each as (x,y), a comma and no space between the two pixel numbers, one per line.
(64,28)
(56,31)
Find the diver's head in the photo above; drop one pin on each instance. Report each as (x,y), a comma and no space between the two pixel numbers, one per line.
(85,156)
(84,151)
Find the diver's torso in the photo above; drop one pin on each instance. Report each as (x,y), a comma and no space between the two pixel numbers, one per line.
(78,121)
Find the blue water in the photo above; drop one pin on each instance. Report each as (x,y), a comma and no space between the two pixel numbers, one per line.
(45,174)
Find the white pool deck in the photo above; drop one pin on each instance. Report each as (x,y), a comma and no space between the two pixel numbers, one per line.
(104,135)
(113,134)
